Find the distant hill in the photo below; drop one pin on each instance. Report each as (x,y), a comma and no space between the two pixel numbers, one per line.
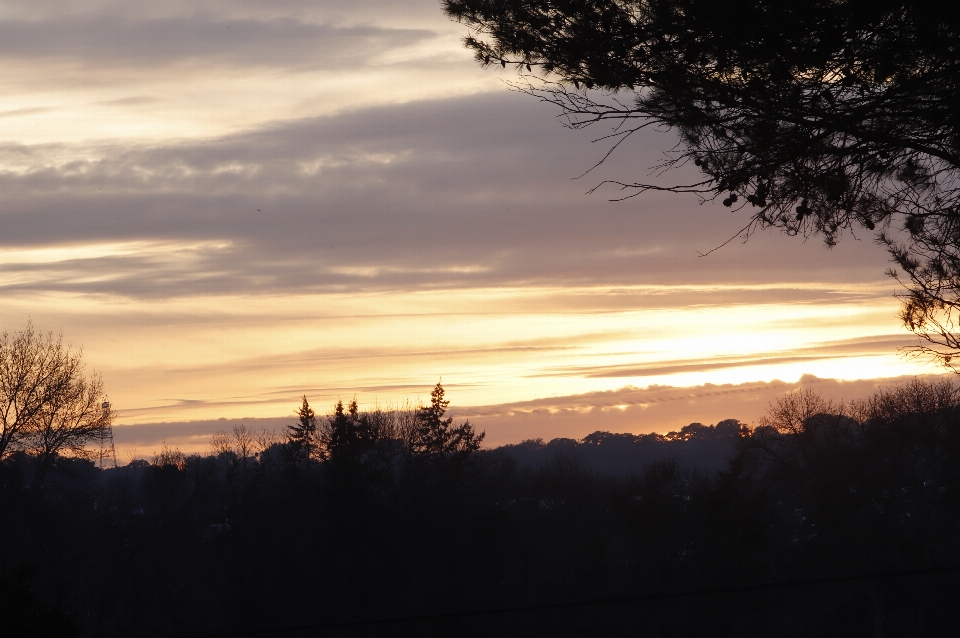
(706,448)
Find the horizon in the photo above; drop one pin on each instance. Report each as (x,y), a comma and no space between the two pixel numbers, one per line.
(652,410)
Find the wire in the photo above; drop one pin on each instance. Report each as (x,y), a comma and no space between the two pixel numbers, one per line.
(582,603)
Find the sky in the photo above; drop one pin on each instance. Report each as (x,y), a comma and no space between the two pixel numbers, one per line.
(230,204)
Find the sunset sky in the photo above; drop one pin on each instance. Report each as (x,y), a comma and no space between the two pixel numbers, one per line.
(230,204)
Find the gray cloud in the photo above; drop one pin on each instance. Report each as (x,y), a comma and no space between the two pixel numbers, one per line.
(471,191)
(369,11)
(144,441)
(110,40)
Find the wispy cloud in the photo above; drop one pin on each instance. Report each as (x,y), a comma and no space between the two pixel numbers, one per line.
(30,110)
(881,345)
(107,40)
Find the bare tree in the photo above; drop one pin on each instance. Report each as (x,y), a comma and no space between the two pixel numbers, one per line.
(801,432)
(243,443)
(788,414)
(908,401)
(172,458)
(71,419)
(220,443)
(239,449)
(265,439)
(47,404)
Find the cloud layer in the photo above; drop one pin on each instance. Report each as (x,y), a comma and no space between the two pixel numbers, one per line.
(469,191)
(107,40)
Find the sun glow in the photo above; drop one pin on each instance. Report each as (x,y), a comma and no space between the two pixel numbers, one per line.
(204,357)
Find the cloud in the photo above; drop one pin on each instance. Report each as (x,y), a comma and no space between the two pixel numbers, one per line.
(134,100)
(456,192)
(826,350)
(192,437)
(110,40)
(32,110)
(338,11)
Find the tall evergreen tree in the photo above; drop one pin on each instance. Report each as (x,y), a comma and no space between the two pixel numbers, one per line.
(348,433)
(436,436)
(302,438)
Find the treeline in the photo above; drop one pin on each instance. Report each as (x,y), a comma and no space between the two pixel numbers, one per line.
(377,514)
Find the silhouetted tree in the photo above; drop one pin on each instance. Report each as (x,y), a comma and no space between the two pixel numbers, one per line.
(434,436)
(238,450)
(347,434)
(167,457)
(822,116)
(47,404)
(50,407)
(67,423)
(302,438)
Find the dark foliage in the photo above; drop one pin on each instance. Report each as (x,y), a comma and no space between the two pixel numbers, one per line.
(302,438)
(696,446)
(434,436)
(191,544)
(348,434)
(24,615)
(819,116)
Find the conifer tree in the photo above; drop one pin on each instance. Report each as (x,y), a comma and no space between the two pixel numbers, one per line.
(302,438)
(348,433)
(436,436)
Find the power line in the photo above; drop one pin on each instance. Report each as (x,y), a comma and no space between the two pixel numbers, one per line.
(586,602)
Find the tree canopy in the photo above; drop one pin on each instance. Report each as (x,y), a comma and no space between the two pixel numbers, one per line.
(817,116)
